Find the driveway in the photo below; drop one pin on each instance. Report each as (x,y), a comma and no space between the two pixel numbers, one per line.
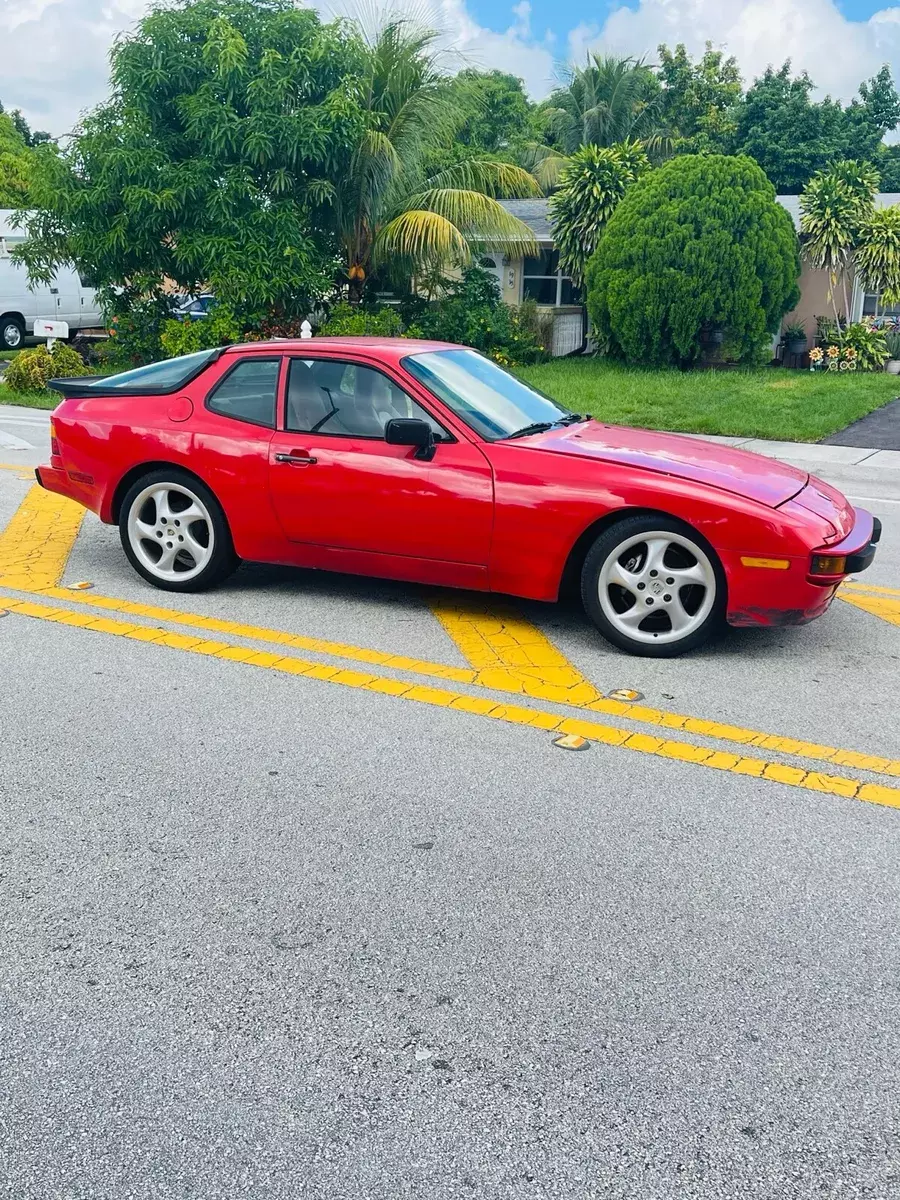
(300,898)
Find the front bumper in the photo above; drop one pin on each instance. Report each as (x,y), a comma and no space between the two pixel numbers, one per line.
(794,596)
(860,545)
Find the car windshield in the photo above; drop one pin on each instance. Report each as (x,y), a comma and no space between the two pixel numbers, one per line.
(490,400)
(162,376)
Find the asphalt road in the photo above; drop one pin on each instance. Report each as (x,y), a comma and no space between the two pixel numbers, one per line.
(268,936)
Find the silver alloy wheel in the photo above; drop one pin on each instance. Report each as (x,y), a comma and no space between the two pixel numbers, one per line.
(12,335)
(657,587)
(171,532)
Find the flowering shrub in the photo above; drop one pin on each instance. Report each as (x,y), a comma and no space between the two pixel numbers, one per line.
(861,347)
(31,370)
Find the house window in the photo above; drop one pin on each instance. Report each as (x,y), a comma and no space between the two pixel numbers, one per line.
(873,306)
(544,282)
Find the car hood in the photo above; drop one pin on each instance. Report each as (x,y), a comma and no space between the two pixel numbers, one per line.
(752,475)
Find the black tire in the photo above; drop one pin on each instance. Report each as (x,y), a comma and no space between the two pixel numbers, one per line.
(222,560)
(709,597)
(12,333)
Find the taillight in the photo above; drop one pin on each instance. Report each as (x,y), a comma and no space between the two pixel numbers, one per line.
(54,443)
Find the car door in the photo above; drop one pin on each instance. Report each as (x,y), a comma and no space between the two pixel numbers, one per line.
(335,482)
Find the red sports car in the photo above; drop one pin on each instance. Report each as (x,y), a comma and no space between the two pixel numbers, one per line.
(427,462)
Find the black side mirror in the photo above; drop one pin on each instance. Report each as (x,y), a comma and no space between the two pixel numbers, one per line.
(411,431)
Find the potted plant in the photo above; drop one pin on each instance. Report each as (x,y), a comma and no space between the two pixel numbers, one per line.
(892,341)
(794,338)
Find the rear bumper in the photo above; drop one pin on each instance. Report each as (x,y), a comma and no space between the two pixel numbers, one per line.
(76,486)
(771,598)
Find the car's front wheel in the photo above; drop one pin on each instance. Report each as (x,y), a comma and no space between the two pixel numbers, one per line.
(174,532)
(654,586)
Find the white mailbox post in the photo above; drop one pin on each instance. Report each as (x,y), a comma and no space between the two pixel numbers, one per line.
(51,330)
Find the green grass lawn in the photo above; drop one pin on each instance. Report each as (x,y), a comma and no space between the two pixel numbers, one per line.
(772,402)
(37,400)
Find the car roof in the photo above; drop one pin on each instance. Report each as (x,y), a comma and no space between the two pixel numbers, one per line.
(386,347)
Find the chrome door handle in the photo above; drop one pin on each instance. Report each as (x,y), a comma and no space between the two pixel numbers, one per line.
(296,460)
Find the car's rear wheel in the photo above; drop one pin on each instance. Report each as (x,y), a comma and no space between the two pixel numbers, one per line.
(174,532)
(654,586)
(12,333)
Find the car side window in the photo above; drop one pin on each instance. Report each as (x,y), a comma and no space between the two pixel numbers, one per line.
(247,392)
(325,395)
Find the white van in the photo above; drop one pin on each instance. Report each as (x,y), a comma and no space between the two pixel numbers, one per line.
(67,298)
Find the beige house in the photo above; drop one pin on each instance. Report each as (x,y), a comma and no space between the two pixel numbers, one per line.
(541,279)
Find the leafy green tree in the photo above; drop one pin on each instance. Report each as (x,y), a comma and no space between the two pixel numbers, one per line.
(607,101)
(789,135)
(394,210)
(32,139)
(875,113)
(700,241)
(591,184)
(495,111)
(887,163)
(700,99)
(216,161)
(834,207)
(16,165)
(877,257)
(792,137)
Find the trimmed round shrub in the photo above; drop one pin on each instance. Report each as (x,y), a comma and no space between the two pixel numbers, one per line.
(31,370)
(700,244)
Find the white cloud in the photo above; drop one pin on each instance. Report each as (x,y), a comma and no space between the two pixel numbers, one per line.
(837,53)
(54,53)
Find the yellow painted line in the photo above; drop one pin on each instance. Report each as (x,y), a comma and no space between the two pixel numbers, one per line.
(25,472)
(640,713)
(36,543)
(511,655)
(869,587)
(510,714)
(885,607)
(278,637)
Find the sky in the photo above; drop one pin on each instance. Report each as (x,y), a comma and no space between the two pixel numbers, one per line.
(53,53)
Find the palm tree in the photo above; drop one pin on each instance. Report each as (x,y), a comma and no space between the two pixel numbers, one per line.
(391,211)
(591,183)
(835,205)
(604,103)
(878,255)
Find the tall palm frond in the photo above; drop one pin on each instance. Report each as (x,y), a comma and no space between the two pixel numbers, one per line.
(388,208)
(878,254)
(606,102)
(834,206)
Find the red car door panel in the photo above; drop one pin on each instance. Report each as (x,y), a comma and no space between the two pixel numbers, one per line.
(336,483)
(362,494)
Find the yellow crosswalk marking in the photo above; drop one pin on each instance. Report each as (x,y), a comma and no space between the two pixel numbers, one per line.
(36,543)
(510,654)
(642,743)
